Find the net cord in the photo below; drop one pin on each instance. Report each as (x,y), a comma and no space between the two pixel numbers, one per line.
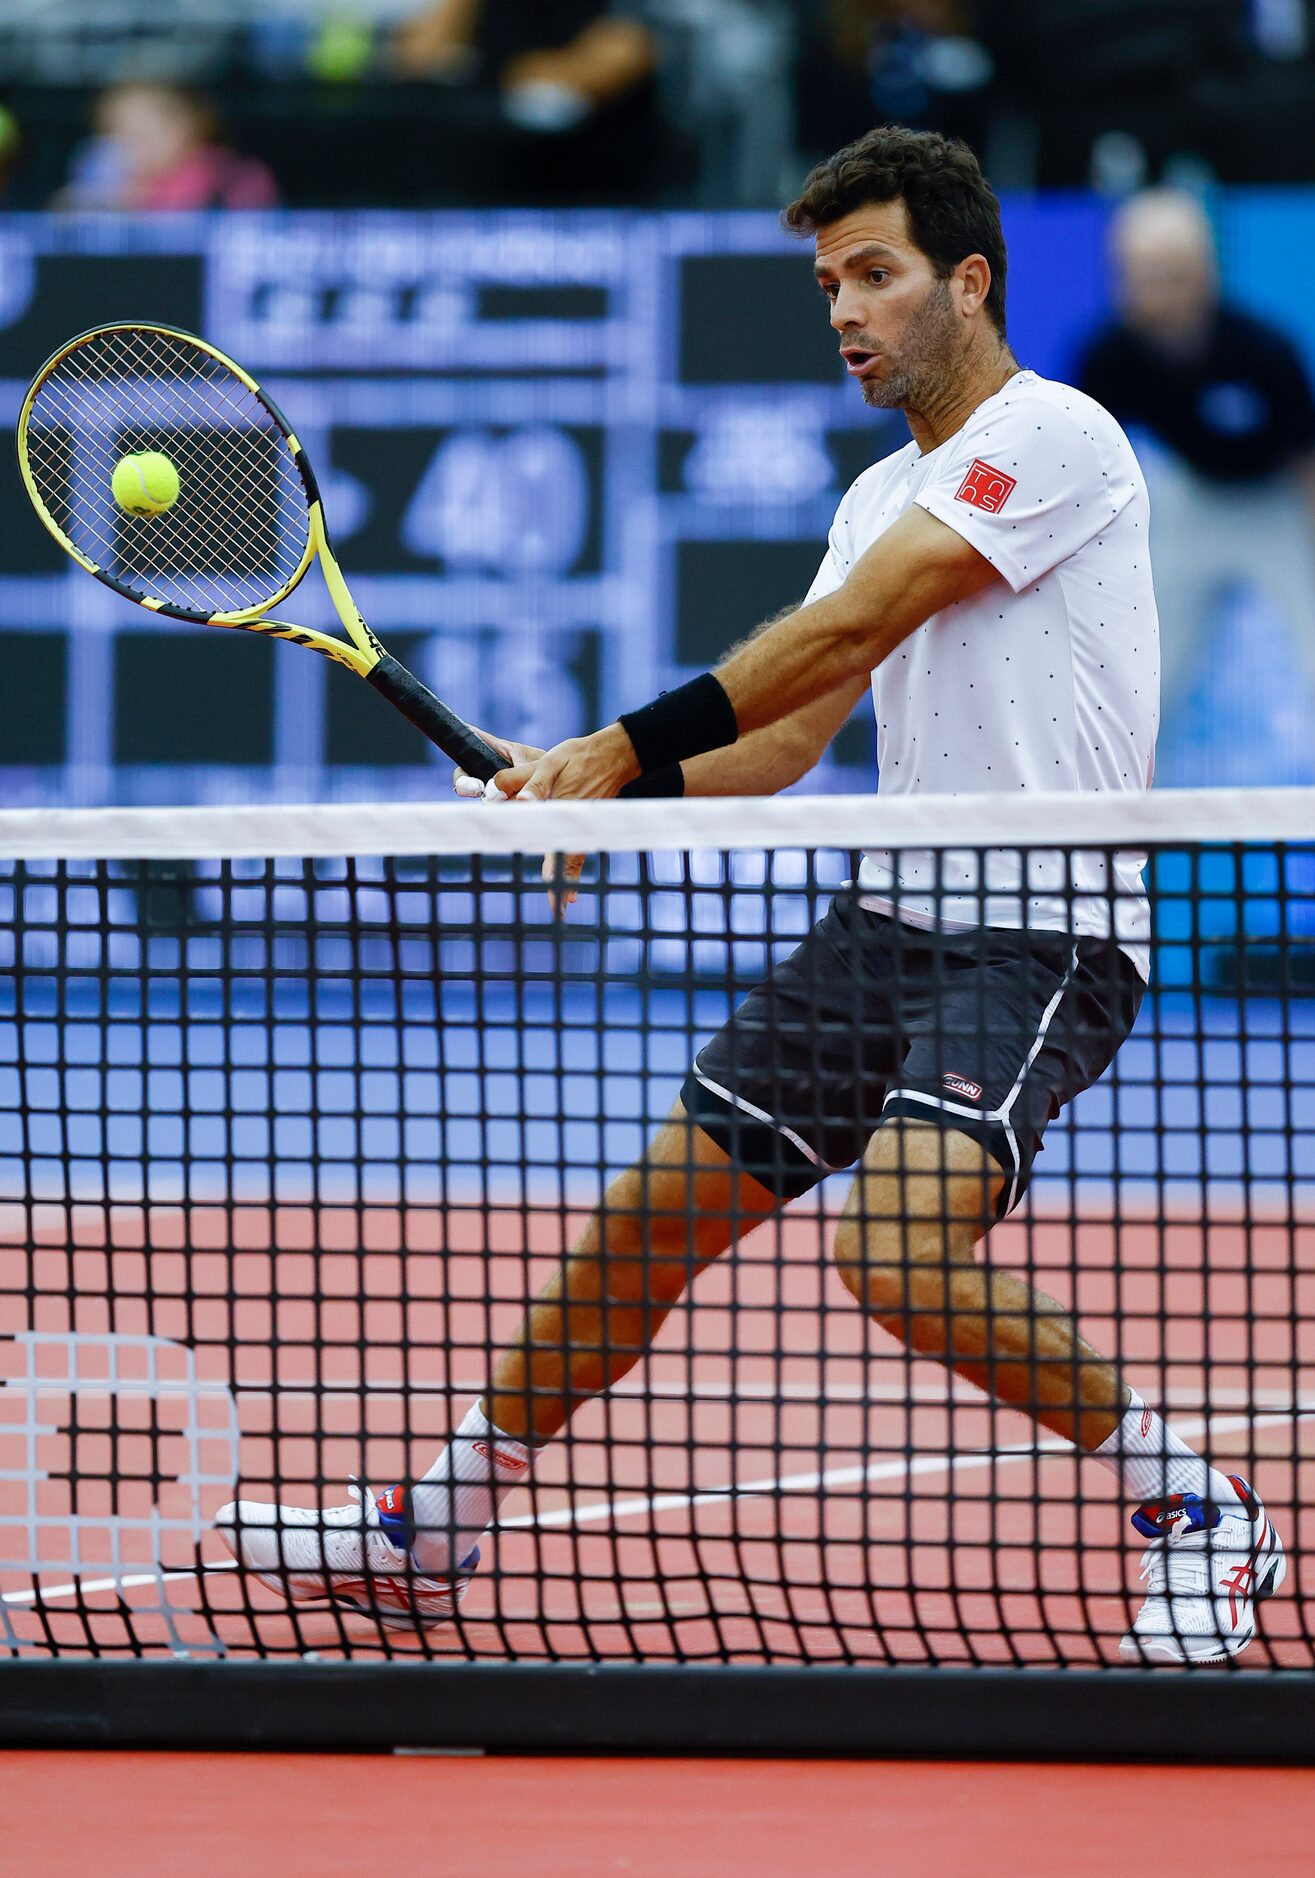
(313,831)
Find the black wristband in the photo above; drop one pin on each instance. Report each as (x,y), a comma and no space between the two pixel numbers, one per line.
(681,723)
(667,781)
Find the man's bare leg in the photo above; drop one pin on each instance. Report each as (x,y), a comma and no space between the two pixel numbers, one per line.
(923,1198)
(660,1224)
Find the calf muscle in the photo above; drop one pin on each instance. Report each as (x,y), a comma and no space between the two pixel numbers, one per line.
(906,1249)
(660,1224)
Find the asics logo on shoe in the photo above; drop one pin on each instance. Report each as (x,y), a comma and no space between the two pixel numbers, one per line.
(392,1504)
(500,1456)
(1160,1519)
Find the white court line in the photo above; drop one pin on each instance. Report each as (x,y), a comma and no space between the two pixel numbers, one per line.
(597,1512)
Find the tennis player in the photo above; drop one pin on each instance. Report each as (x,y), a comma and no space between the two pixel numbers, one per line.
(990,582)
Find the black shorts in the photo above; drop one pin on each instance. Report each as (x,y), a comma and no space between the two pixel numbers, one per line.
(988,1032)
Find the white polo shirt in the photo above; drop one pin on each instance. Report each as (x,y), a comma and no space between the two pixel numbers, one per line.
(1046,680)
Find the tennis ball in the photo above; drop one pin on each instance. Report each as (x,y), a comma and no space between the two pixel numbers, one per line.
(145,483)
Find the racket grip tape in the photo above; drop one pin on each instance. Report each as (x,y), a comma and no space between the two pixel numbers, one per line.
(430,715)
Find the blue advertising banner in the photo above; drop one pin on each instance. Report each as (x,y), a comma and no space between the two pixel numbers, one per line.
(567,460)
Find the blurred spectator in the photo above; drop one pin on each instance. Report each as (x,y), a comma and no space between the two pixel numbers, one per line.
(11,146)
(865,62)
(1228,401)
(571,49)
(1222,83)
(156,147)
(557,96)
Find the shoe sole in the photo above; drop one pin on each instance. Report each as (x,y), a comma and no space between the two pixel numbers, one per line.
(1170,1650)
(394,1619)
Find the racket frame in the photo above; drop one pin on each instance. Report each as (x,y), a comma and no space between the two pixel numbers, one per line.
(364,655)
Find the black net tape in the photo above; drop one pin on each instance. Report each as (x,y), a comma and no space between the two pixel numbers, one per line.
(288,1146)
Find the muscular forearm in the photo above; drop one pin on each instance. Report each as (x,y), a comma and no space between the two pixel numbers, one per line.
(758,765)
(801,660)
(768,760)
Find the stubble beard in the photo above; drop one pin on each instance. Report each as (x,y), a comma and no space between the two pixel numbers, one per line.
(916,377)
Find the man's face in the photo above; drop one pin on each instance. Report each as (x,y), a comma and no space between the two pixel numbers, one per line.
(900,331)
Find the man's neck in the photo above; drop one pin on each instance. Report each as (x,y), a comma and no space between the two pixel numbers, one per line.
(981,378)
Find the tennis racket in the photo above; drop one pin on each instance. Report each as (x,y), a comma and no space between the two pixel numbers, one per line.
(247,520)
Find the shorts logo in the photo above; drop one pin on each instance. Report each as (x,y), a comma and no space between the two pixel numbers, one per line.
(500,1456)
(986,488)
(1145,1423)
(961,1086)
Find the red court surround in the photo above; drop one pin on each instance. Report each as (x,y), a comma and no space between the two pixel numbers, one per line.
(82,1815)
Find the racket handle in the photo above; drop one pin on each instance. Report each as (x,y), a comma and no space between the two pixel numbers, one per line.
(430,715)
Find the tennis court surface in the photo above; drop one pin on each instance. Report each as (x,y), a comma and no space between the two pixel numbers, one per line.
(140,1816)
(299,1111)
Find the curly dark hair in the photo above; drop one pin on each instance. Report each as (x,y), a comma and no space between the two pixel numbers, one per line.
(952,209)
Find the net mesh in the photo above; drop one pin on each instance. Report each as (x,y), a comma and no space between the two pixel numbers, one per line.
(293,1126)
(238,530)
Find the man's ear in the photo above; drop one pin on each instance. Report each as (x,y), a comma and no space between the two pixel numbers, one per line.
(974,275)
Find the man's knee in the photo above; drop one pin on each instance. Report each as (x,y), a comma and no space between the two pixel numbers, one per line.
(922,1199)
(674,1212)
(876,1275)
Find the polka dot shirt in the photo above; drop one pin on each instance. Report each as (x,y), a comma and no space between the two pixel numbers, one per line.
(1046,680)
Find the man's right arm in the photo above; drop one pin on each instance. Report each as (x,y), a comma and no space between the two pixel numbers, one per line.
(769,760)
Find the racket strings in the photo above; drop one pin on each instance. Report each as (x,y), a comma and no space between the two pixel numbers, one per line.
(223,533)
(238,531)
(226,530)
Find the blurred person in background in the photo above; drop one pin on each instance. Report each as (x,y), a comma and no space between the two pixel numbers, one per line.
(1227,399)
(548,97)
(156,146)
(913,62)
(11,147)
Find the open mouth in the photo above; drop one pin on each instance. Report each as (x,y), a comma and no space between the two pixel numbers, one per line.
(858,362)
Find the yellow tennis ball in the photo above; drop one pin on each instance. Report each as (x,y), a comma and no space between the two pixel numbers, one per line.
(145,483)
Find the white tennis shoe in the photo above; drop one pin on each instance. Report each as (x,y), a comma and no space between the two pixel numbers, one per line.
(357,1555)
(1206,1569)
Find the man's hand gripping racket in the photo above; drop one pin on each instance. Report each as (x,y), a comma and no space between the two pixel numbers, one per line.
(560,871)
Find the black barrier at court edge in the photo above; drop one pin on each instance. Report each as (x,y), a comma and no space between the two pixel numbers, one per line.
(1201,1716)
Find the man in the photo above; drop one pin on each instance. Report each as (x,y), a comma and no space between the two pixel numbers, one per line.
(991,581)
(1228,399)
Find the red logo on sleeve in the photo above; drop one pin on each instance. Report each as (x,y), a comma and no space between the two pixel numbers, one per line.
(986,488)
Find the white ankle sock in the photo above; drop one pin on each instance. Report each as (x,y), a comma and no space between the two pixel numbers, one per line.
(1150,1461)
(459,1495)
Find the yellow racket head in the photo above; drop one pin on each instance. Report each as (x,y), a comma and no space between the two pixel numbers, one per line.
(238,536)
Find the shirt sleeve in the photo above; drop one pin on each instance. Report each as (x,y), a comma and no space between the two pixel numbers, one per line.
(837,560)
(1030,484)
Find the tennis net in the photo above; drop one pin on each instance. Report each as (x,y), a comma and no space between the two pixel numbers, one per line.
(300,1108)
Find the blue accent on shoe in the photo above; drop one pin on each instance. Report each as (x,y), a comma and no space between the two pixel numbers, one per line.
(394,1509)
(1156,1519)
(400,1526)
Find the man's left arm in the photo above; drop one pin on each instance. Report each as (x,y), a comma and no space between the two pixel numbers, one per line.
(918,567)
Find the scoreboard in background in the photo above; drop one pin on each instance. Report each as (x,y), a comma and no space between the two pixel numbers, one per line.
(566,460)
